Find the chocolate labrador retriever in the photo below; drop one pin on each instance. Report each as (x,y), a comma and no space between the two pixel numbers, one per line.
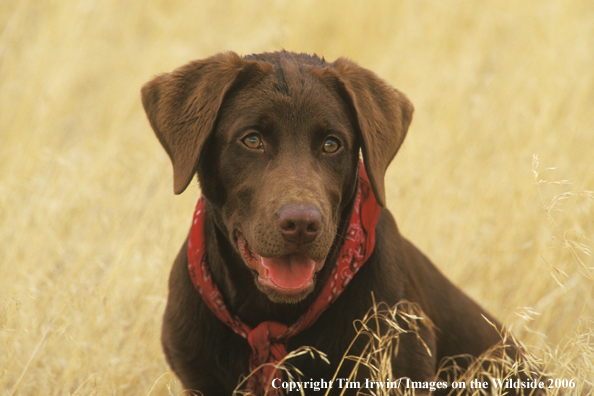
(291,235)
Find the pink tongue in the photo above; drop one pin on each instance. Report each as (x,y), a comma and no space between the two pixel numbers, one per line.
(293,271)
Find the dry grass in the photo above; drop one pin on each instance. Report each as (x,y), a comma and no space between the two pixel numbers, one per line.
(89,224)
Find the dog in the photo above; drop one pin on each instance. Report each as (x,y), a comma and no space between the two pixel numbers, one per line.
(275,140)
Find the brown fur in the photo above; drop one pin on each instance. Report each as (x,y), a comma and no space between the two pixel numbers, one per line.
(200,112)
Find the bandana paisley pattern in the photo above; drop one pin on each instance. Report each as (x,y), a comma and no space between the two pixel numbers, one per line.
(269,339)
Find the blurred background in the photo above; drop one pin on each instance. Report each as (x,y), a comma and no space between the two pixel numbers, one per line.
(494,181)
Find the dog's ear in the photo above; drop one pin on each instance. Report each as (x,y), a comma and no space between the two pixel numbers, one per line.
(383,115)
(182,106)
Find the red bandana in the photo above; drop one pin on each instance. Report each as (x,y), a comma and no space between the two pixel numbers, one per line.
(269,339)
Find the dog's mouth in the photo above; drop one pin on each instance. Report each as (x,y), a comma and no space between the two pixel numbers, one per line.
(288,275)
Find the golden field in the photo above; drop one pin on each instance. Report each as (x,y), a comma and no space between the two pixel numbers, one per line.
(494,181)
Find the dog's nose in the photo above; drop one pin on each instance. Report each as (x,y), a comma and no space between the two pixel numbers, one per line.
(299,224)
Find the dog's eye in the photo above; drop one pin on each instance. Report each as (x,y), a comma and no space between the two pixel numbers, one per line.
(253,141)
(331,145)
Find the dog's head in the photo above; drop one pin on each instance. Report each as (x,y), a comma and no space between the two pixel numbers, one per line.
(275,140)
